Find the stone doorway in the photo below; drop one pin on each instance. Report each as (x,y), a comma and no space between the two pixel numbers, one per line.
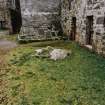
(73,28)
(89,30)
(2,25)
(16,19)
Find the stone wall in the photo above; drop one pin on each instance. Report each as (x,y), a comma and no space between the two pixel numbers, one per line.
(38,14)
(4,16)
(65,17)
(81,9)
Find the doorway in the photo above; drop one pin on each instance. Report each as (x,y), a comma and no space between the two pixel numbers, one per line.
(73,28)
(16,20)
(89,30)
(2,25)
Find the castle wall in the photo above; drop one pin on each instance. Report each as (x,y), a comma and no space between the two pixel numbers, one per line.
(6,6)
(5,25)
(38,13)
(82,9)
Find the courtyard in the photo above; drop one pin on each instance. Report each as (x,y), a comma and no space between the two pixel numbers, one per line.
(33,33)
(27,80)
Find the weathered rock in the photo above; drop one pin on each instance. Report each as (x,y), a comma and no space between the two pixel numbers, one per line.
(52,53)
(39,51)
(44,50)
(57,54)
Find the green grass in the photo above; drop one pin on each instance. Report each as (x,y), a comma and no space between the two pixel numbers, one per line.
(76,80)
(9,37)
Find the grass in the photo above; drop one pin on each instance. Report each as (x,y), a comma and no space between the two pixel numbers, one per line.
(9,37)
(4,69)
(77,80)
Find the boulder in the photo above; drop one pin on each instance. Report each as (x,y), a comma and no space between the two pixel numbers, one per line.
(57,54)
(52,53)
(39,51)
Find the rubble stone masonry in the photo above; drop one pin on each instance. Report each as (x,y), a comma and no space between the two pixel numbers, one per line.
(38,15)
(4,17)
(8,16)
(86,12)
(81,20)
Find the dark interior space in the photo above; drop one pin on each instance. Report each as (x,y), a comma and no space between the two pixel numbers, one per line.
(89,30)
(73,28)
(16,19)
(104,22)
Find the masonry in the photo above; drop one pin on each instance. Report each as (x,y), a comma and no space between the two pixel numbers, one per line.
(4,18)
(10,17)
(39,17)
(29,17)
(84,22)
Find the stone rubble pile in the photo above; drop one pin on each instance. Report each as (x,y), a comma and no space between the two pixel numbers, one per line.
(52,53)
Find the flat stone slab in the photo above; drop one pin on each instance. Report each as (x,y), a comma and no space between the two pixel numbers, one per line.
(5,44)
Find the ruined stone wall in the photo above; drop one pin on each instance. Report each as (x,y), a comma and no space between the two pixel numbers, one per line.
(5,18)
(97,9)
(81,9)
(3,12)
(65,17)
(38,13)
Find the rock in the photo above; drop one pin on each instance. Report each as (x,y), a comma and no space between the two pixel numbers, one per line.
(39,51)
(49,48)
(57,54)
(43,51)
(52,53)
